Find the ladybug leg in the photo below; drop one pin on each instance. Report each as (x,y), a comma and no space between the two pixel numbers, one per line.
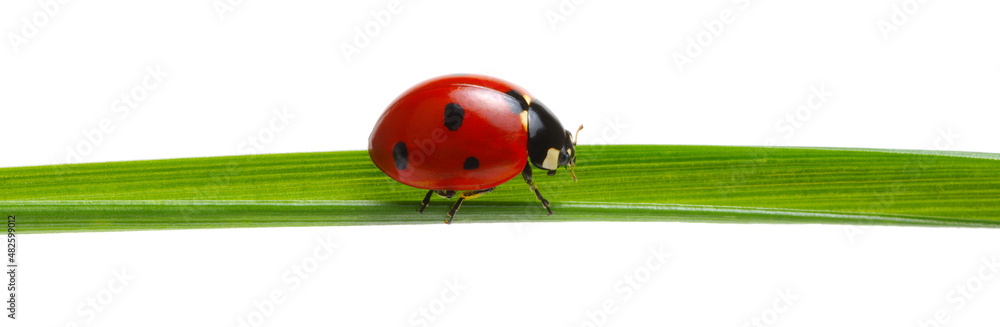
(426,201)
(461,198)
(526,173)
(445,194)
(427,198)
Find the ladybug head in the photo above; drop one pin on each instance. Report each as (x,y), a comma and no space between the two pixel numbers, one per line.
(550,146)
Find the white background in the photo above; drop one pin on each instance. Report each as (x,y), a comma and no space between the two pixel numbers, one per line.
(930,82)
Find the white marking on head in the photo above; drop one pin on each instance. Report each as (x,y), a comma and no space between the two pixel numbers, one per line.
(551,159)
(527,98)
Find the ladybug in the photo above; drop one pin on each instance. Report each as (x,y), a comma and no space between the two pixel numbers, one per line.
(468,133)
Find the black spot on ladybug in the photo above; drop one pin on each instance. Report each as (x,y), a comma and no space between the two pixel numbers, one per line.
(471,163)
(518,103)
(400,155)
(453,115)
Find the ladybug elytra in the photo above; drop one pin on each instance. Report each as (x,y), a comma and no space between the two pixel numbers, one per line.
(468,133)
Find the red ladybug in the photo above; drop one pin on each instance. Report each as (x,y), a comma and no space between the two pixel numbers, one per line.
(468,133)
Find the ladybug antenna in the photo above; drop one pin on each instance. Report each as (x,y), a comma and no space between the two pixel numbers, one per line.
(577,136)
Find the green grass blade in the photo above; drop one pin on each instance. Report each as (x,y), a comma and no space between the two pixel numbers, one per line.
(617,183)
